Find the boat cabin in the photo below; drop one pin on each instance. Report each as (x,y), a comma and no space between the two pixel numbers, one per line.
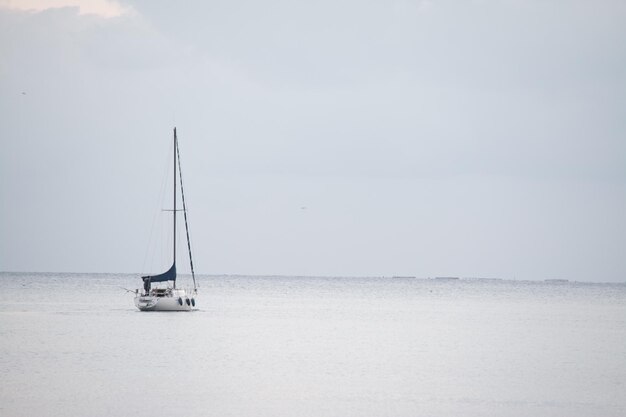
(160,292)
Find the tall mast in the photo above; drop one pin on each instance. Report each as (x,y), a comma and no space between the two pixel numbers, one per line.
(174,239)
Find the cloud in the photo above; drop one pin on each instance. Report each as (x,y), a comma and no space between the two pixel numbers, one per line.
(101,8)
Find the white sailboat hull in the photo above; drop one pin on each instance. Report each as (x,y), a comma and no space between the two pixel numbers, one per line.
(175,301)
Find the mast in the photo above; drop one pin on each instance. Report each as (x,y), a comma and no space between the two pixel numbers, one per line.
(170,274)
(174,239)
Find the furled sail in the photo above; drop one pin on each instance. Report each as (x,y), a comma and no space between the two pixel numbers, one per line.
(169,275)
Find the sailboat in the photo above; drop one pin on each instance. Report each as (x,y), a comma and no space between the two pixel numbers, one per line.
(170,297)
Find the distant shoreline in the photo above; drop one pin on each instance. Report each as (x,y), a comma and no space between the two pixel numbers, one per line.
(442,279)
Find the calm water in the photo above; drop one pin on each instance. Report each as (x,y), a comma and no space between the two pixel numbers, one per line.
(74,345)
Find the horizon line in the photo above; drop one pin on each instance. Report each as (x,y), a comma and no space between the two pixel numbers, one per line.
(397,277)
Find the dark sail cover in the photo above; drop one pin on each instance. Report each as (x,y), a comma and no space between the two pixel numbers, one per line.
(169,275)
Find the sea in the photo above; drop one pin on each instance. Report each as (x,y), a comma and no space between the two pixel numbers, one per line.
(74,345)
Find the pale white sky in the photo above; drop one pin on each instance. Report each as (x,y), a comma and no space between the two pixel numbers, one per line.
(100,8)
(476,138)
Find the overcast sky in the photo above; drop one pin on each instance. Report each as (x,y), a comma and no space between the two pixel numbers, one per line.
(385,137)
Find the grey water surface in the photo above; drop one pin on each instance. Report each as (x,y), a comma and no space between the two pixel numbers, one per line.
(74,345)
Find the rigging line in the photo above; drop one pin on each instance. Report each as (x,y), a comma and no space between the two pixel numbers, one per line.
(182,194)
(161,245)
(160,200)
(193,246)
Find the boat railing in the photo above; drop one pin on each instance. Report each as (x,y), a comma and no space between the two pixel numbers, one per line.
(163,292)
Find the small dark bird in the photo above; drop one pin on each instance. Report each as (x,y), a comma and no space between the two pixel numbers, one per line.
(23,93)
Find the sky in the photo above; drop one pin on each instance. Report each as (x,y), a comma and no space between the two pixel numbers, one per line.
(341,138)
